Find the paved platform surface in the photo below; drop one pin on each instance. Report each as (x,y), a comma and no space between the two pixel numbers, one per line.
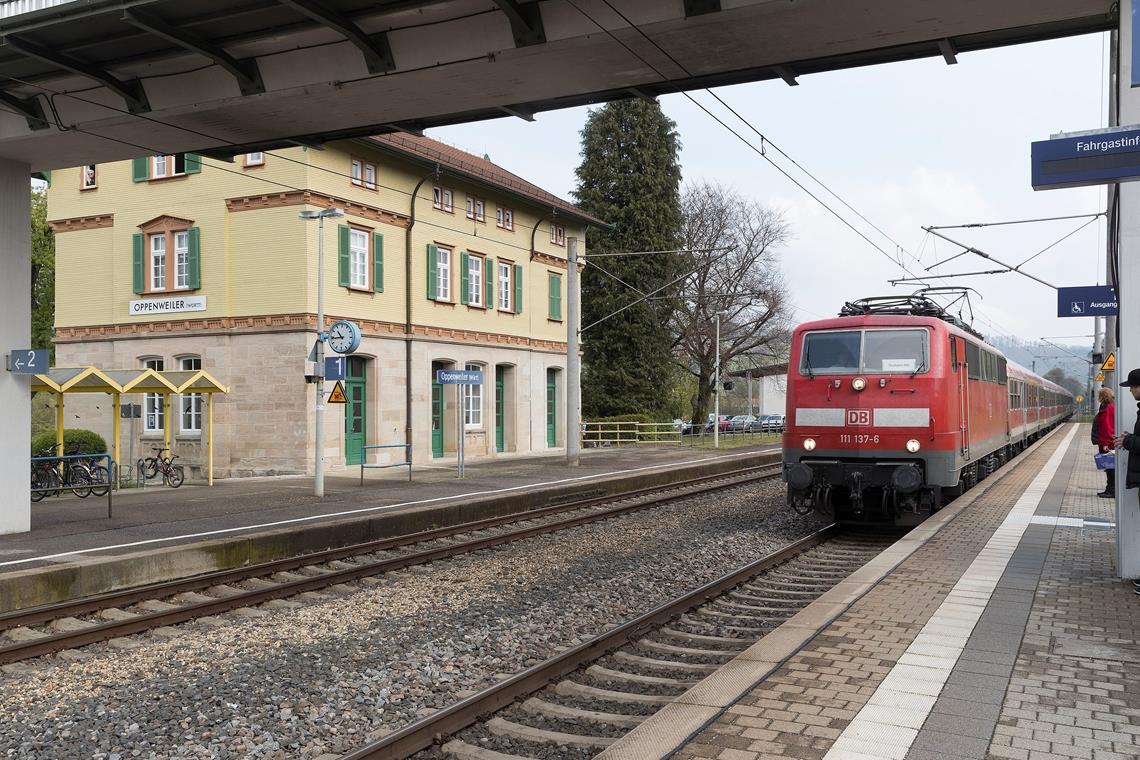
(1003,633)
(156,517)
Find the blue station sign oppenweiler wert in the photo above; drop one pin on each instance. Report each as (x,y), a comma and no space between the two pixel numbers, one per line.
(1095,158)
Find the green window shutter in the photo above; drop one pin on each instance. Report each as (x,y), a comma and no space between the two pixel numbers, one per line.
(489,283)
(555,296)
(193,259)
(140,169)
(464,280)
(378,263)
(518,288)
(138,262)
(193,163)
(432,271)
(343,238)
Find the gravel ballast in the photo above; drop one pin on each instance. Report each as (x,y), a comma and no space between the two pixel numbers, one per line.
(326,677)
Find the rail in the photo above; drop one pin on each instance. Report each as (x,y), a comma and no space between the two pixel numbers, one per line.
(52,477)
(406,463)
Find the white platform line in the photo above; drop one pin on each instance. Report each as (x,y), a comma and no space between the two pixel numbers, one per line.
(362,510)
(921,673)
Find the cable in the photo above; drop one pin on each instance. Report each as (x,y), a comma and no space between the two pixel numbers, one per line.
(1018,221)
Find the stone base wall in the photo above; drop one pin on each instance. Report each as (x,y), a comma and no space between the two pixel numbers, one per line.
(263,426)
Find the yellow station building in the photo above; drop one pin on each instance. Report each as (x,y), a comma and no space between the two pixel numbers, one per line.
(184,263)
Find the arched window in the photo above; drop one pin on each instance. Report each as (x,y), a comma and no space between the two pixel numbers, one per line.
(153,412)
(190,405)
(473,402)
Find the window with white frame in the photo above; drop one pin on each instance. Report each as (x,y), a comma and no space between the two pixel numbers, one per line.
(557,234)
(357,171)
(370,176)
(254,159)
(443,274)
(153,413)
(505,285)
(358,258)
(363,174)
(476,209)
(441,198)
(167,166)
(158,166)
(505,218)
(90,179)
(473,402)
(181,260)
(158,261)
(475,280)
(190,405)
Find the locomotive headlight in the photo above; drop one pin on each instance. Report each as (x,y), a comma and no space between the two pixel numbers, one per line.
(858,383)
(913,446)
(809,444)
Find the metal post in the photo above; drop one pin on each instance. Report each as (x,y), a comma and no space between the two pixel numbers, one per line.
(573,362)
(459,432)
(210,439)
(319,420)
(716,389)
(117,429)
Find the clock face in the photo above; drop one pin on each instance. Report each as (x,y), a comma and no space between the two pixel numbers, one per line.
(344,337)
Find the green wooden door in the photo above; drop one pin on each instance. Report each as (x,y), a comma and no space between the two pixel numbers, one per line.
(551,408)
(436,420)
(355,411)
(500,410)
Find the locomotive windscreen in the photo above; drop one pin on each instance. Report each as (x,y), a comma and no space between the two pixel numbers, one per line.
(875,351)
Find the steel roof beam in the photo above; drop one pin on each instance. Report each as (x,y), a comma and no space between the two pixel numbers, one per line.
(29,108)
(131,92)
(526,22)
(701,7)
(246,72)
(375,48)
(525,114)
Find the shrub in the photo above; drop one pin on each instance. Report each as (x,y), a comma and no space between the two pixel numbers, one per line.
(74,442)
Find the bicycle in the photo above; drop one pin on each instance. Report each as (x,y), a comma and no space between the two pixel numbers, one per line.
(171,473)
(45,476)
(87,478)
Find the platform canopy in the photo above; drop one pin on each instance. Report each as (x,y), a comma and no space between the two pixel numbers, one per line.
(99,80)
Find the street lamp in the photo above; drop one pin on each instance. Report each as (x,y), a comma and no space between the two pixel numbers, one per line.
(319,453)
(716,386)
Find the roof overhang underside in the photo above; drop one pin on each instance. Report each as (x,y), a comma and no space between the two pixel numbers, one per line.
(100,80)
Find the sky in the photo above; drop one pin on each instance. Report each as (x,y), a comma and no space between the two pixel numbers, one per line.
(907,145)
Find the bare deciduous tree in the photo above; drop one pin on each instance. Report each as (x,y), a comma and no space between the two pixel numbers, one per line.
(732,243)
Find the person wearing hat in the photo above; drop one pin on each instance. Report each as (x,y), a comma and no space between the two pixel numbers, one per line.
(1130,442)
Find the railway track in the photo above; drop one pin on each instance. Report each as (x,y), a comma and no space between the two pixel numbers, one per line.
(25,634)
(582,700)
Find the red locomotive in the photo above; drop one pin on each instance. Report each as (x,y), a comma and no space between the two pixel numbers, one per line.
(897,406)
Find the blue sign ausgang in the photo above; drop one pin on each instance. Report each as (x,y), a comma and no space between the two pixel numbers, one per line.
(1097,158)
(459,376)
(1089,301)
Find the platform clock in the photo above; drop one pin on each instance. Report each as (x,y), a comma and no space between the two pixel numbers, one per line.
(344,337)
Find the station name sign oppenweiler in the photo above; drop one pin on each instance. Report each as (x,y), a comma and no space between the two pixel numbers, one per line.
(167,305)
(1087,158)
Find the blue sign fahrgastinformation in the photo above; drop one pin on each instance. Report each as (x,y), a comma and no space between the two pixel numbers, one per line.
(1135,47)
(1096,158)
(1088,301)
(28,361)
(459,376)
(335,367)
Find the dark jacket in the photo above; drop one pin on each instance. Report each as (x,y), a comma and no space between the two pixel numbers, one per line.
(1132,446)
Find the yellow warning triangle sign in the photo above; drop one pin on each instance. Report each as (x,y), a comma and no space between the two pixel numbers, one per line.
(337,396)
(1109,363)
(1099,378)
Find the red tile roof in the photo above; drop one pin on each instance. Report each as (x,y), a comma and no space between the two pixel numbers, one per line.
(454,160)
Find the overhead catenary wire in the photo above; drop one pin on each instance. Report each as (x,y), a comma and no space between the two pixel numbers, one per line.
(971,225)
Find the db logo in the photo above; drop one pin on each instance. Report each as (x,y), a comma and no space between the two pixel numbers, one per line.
(861,417)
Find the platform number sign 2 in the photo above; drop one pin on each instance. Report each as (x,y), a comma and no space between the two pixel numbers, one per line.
(859,417)
(28,361)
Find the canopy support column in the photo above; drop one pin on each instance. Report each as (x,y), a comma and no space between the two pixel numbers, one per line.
(59,424)
(167,421)
(210,439)
(116,427)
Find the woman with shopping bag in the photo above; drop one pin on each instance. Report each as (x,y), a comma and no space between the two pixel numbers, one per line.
(1104,431)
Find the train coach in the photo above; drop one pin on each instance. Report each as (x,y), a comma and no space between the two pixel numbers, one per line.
(897,406)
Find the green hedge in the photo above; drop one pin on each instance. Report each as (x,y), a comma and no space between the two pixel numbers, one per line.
(74,442)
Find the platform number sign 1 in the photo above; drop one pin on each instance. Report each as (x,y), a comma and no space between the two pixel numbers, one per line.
(28,361)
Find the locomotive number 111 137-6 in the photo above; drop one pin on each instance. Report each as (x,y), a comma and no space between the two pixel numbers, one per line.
(858,438)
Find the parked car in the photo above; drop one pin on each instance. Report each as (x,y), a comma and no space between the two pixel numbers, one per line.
(741,423)
(725,421)
(758,424)
(684,427)
(773,423)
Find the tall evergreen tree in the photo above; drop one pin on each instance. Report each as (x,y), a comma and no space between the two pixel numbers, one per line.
(630,177)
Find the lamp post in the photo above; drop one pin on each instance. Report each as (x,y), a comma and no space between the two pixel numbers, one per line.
(318,425)
(716,387)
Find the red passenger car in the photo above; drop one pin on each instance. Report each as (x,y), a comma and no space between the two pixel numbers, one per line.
(896,406)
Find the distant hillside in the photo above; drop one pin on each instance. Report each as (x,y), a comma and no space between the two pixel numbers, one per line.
(1046,357)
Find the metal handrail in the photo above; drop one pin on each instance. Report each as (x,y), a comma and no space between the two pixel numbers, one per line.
(406,463)
(61,459)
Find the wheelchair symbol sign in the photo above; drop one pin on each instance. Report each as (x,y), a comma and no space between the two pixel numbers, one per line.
(1078,307)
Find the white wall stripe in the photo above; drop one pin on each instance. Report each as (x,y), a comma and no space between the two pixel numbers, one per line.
(911,688)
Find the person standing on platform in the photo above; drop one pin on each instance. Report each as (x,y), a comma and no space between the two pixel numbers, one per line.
(1103,433)
(1130,442)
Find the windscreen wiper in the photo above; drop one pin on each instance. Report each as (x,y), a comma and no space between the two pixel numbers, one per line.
(807,361)
(919,368)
